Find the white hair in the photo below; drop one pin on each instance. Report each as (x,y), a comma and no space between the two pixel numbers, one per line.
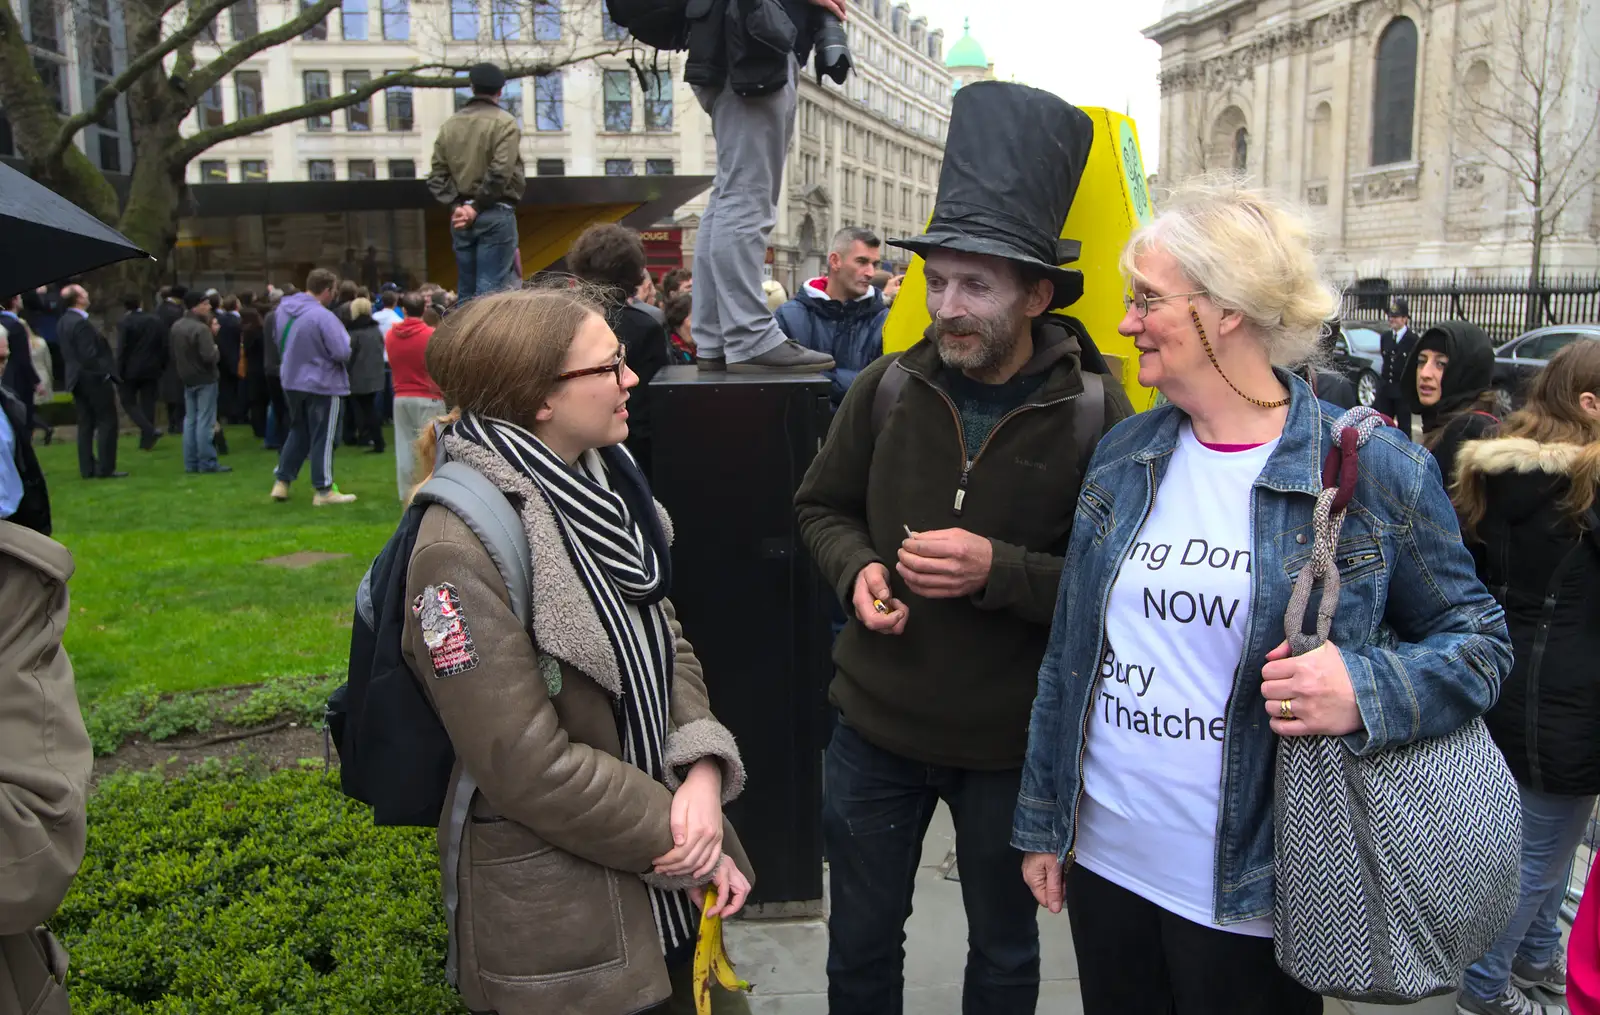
(1252,253)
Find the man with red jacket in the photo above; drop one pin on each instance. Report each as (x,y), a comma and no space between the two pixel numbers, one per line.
(416,397)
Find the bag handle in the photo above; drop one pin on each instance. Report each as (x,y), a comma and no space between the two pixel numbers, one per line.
(1339,472)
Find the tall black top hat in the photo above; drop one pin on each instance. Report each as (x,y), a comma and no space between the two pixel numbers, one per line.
(1012,163)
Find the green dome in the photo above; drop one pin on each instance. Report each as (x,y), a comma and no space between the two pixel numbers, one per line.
(966,52)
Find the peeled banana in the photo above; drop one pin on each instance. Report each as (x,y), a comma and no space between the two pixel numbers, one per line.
(711,960)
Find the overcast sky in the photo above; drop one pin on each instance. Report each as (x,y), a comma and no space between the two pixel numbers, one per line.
(1090,52)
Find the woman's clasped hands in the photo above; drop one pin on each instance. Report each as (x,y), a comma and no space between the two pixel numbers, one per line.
(697,840)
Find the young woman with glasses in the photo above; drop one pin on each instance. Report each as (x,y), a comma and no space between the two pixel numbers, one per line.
(600,767)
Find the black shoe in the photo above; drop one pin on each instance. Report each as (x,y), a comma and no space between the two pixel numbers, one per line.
(113,475)
(376,449)
(148,441)
(220,443)
(220,468)
(49,434)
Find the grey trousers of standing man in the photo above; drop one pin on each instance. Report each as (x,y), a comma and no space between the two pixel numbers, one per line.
(731,318)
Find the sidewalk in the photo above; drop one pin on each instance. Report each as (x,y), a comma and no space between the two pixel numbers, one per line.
(785,959)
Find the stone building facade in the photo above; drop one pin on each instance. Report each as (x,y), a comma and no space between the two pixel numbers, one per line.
(1355,107)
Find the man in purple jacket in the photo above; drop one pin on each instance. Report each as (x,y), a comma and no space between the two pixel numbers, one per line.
(314,348)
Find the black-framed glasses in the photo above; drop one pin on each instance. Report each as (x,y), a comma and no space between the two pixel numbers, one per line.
(614,368)
(1141,301)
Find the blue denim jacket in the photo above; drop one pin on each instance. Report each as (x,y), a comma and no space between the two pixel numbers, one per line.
(1425,643)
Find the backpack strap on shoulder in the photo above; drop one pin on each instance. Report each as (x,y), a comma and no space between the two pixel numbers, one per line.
(486,510)
(890,385)
(1089,418)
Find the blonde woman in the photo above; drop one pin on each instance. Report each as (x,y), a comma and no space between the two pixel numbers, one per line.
(1146,799)
(601,770)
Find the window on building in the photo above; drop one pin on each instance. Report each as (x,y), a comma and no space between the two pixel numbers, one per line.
(109,120)
(464,19)
(244,20)
(505,21)
(547,20)
(247,99)
(658,167)
(359,116)
(550,167)
(353,19)
(44,25)
(209,32)
(253,170)
(100,58)
(905,161)
(320,170)
(548,105)
(397,108)
(1394,93)
(213,171)
(1321,142)
(905,201)
(363,169)
(110,153)
(869,188)
(610,30)
(658,100)
(402,169)
(619,167)
(1241,149)
(511,99)
(618,88)
(848,186)
(397,20)
(888,197)
(210,108)
(318,86)
(808,169)
(318,31)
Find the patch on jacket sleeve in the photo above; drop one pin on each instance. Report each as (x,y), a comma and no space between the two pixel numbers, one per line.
(444,630)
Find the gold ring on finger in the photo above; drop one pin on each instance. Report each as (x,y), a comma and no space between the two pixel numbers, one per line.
(1285,710)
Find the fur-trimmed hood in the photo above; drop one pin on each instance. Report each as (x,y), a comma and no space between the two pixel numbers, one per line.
(1523,454)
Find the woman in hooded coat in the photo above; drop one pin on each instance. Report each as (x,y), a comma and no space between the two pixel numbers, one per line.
(366,374)
(1527,504)
(1449,378)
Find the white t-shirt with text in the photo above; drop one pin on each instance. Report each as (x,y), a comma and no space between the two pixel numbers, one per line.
(1175,629)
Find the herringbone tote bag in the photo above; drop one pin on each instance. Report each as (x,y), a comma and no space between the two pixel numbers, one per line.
(1394,870)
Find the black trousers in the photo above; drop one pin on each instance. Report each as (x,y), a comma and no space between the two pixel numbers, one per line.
(96,403)
(139,402)
(1135,958)
(1392,403)
(364,420)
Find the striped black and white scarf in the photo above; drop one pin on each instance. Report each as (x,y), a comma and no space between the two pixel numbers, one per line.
(619,549)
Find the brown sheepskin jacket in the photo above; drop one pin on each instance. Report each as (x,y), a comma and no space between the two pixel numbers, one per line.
(553,913)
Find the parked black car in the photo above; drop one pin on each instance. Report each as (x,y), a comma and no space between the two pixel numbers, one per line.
(1355,355)
(1518,360)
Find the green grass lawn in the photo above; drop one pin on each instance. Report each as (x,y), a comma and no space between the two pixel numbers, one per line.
(169,589)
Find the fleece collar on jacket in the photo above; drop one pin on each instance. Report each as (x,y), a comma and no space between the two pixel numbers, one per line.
(1521,454)
(565,624)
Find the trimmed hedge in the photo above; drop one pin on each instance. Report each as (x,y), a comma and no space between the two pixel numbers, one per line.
(226,891)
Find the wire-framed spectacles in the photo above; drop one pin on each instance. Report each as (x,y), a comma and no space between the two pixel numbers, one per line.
(1141,301)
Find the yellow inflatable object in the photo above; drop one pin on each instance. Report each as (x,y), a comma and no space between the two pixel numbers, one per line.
(1113,200)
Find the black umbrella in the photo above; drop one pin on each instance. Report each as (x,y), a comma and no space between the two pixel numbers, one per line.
(45,237)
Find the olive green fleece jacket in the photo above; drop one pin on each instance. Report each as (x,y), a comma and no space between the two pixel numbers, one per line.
(956,687)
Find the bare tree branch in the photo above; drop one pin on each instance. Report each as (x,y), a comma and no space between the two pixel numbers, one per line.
(150,59)
(203,79)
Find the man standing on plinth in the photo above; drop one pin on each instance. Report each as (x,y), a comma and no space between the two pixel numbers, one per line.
(939,510)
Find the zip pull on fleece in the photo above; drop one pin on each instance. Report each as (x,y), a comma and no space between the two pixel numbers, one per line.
(961,488)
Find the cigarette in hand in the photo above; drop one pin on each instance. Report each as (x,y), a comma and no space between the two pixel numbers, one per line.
(909,533)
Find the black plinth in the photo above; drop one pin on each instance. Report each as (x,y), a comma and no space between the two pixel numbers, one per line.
(730,450)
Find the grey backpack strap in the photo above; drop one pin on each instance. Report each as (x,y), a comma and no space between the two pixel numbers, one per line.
(1089,418)
(491,517)
(888,393)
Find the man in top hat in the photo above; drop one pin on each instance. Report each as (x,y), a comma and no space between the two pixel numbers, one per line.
(939,510)
(477,171)
(1395,346)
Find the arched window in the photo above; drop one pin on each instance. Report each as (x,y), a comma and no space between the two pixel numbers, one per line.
(1394,93)
(1241,149)
(1230,141)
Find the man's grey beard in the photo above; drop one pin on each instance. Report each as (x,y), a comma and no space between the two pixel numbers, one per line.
(996,341)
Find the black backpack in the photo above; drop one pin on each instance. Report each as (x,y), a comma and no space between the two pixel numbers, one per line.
(394,753)
(660,24)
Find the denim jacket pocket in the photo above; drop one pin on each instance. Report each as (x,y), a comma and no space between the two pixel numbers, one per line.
(1095,510)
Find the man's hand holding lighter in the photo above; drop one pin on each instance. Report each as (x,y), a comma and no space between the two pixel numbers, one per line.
(944,564)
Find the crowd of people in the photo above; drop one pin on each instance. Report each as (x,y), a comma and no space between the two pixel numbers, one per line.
(1062,619)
